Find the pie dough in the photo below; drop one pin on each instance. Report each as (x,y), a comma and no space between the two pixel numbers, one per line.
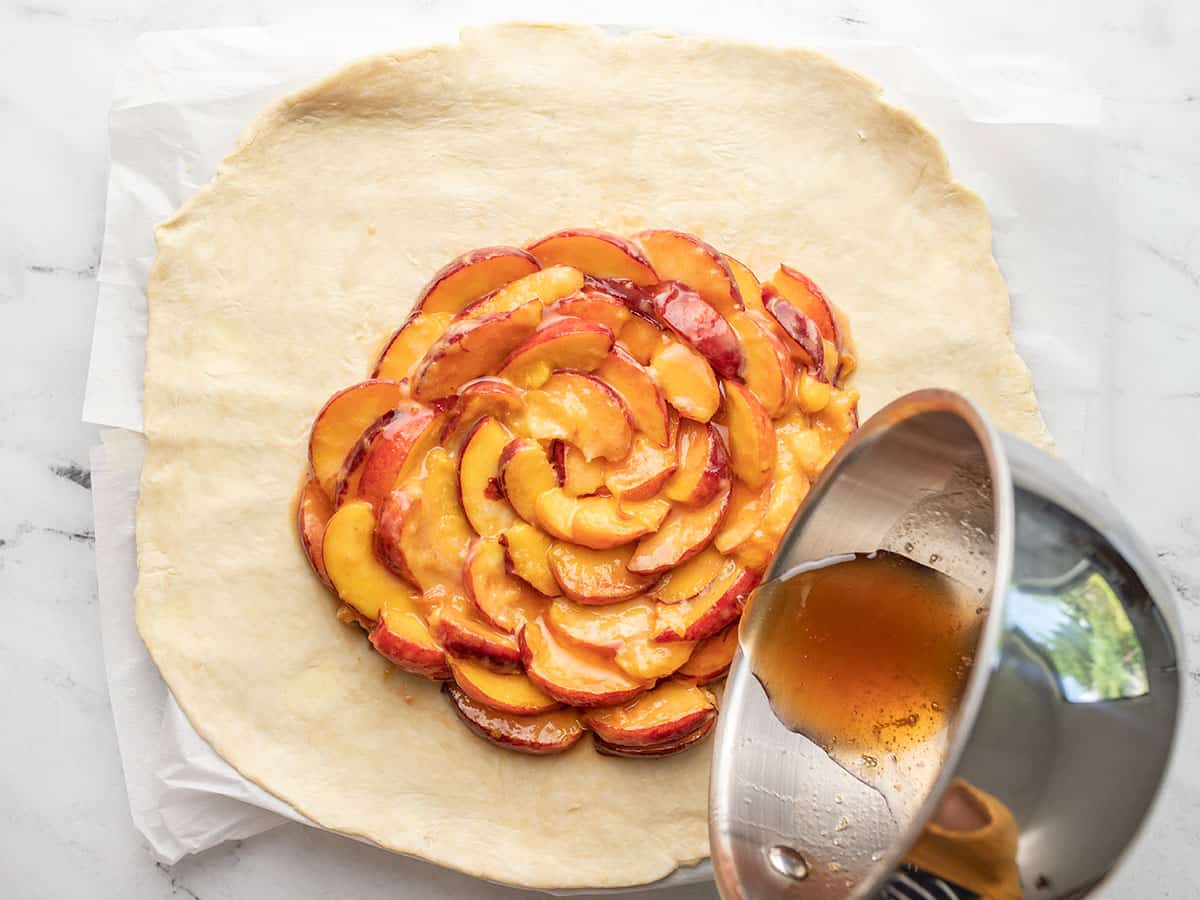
(273,286)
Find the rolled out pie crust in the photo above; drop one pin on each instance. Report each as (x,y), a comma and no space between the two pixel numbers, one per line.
(275,285)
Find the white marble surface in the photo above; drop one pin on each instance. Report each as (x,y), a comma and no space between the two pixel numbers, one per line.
(65,830)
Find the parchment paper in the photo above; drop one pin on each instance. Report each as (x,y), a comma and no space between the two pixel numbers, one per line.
(178,107)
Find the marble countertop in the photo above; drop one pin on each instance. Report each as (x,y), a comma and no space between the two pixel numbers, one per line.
(66,831)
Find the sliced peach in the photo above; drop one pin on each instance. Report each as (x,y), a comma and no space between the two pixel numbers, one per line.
(540,735)
(409,345)
(656,751)
(342,422)
(527,555)
(747,283)
(482,397)
(423,532)
(803,339)
(403,638)
(479,478)
(751,435)
(636,298)
(768,369)
(594,577)
(646,403)
(471,348)
(463,633)
(746,509)
(668,712)
(566,343)
(644,472)
(703,464)
(581,409)
(594,306)
(507,692)
(701,326)
(412,428)
(686,581)
(466,278)
(788,489)
(598,522)
(686,380)
(802,292)
(313,511)
(712,657)
(677,256)
(683,534)
(596,253)
(812,393)
(571,673)
(504,600)
(604,628)
(579,475)
(644,658)
(349,557)
(525,473)
(547,285)
(640,336)
(712,609)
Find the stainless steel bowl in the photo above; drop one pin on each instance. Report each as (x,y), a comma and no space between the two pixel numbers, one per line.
(1069,712)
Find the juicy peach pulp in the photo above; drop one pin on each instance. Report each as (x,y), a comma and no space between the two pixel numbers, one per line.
(572,464)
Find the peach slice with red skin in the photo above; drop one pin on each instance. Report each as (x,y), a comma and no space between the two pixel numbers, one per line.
(683,534)
(712,657)
(502,599)
(547,285)
(641,337)
(768,370)
(703,465)
(402,637)
(527,556)
(747,283)
(571,673)
(644,472)
(479,478)
(409,345)
(678,256)
(803,339)
(412,428)
(802,292)
(751,435)
(506,692)
(598,522)
(313,511)
(595,253)
(566,343)
(698,323)
(648,660)
(471,348)
(466,278)
(456,626)
(485,396)
(687,580)
(584,411)
(594,577)
(525,474)
(666,713)
(712,609)
(423,533)
(578,475)
(645,402)
(540,735)
(343,420)
(686,379)
(595,306)
(656,751)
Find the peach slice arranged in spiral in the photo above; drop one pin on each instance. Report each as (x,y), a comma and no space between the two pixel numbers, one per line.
(572,466)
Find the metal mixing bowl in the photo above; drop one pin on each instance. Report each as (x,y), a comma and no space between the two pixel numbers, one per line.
(1070,709)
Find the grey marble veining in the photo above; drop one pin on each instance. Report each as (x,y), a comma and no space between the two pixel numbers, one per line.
(65,830)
